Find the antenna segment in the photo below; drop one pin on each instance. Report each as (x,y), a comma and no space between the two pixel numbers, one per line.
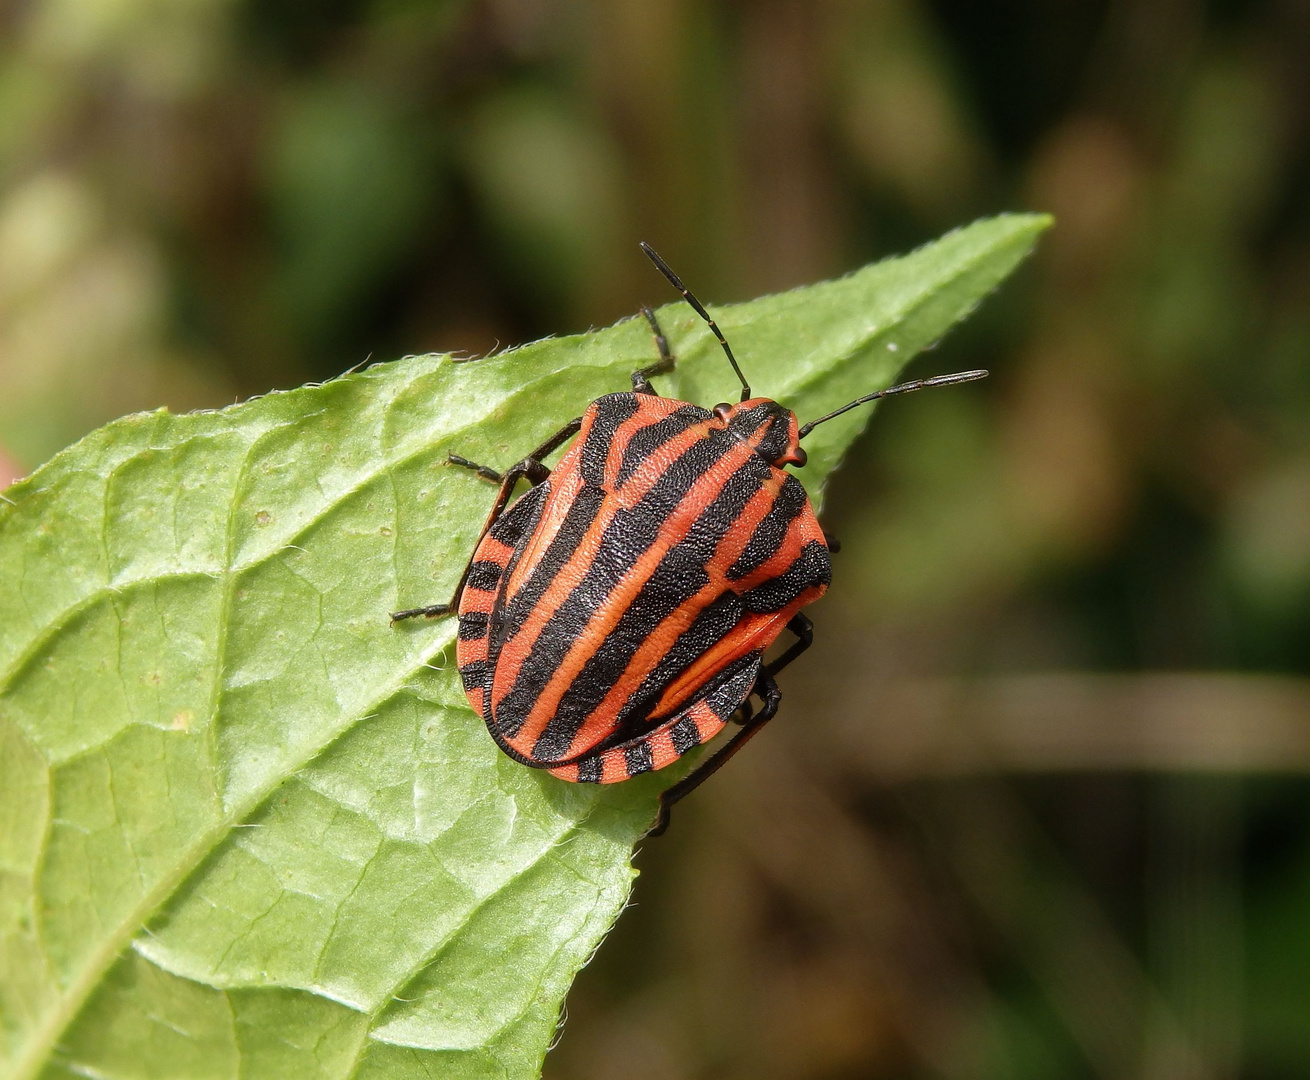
(903,388)
(676,282)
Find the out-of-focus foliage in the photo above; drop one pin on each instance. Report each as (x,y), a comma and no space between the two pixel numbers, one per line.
(1033,807)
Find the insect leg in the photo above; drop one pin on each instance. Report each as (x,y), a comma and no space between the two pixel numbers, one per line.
(803,628)
(641,378)
(553,443)
(482,470)
(435,611)
(772,697)
(530,469)
(533,469)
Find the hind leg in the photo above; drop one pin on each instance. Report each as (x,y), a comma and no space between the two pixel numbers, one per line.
(696,723)
(768,691)
(751,722)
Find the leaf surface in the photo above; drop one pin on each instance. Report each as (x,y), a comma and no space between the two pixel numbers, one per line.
(248,829)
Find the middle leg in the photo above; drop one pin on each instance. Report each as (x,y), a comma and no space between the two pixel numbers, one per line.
(803,628)
(532,469)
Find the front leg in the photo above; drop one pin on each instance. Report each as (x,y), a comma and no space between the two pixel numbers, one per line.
(641,377)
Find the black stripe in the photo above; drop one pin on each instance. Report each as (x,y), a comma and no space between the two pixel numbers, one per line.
(521,518)
(776,439)
(772,529)
(474,674)
(484,576)
(508,528)
(712,624)
(734,687)
(610,413)
(745,422)
(650,438)
(685,735)
(631,533)
(638,758)
(590,770)
(472,625)
(558,552)
(680,576)
(812,567)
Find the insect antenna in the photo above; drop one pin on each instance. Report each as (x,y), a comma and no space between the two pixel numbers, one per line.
(676,282)
(903,388)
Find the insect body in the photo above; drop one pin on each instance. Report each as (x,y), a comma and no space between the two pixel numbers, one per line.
(617,615)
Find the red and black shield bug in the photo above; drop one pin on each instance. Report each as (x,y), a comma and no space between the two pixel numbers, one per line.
(617,614)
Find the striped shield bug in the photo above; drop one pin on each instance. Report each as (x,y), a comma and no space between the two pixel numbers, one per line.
(617,614)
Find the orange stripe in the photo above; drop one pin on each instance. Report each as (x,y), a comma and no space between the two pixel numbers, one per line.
(477,600)
(615,605)
(475,699)
(803,529)
(707,721)
(614,767)
(603,718)
(511,658)
(565,485)
(469,652)
(614,762)
(661,749)
(492,550)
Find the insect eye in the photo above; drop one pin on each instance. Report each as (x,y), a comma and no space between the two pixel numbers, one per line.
(723,411)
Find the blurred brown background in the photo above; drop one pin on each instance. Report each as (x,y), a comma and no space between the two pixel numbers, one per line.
(1035,806)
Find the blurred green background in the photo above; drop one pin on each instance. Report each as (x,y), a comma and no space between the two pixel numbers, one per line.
(1036,806)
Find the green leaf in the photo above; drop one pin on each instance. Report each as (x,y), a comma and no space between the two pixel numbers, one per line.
(247,828)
